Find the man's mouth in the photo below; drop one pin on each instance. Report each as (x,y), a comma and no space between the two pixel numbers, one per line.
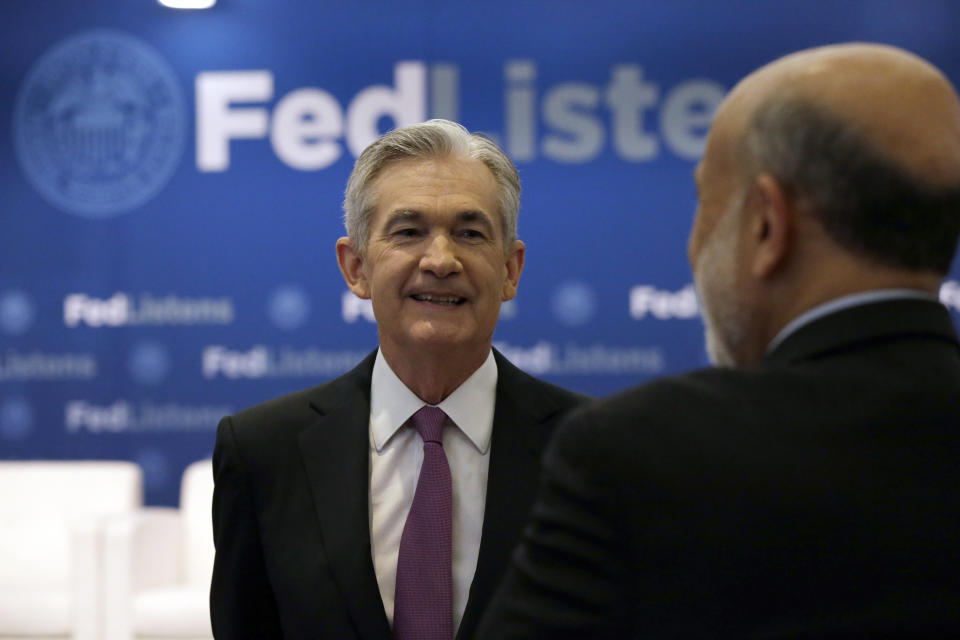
(438,299)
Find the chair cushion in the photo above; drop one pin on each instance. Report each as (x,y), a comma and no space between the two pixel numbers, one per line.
(177,612)
(34,552)
(35,612)
(42,504)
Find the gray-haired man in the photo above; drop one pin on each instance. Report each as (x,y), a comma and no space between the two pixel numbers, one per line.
(324,524)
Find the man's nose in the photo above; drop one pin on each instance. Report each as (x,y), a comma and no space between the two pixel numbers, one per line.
(440,256)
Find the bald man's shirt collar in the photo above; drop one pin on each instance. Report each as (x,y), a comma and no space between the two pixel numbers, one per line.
(845,302)
(396,453)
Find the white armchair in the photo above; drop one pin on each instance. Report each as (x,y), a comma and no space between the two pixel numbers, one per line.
(50,544)
(158,566)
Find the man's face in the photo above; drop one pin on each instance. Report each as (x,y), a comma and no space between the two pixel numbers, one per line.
(435,267)
(715,278)
(713,248)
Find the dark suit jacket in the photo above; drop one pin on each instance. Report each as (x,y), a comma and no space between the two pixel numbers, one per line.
(290,507)
(816,496)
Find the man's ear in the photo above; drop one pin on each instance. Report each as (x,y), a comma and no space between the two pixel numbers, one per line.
(771,228)
(514,269)
(351,266)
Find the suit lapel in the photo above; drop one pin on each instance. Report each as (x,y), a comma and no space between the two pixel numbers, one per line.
(335,451)
(520,435)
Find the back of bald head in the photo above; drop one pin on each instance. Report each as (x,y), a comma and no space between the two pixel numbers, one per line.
(866,138)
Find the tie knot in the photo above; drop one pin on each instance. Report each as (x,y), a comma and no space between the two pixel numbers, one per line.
(428,422)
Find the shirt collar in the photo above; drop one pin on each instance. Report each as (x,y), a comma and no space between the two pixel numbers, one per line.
(845,302)
(470,406)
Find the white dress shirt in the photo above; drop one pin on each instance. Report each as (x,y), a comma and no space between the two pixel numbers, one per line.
(396,453)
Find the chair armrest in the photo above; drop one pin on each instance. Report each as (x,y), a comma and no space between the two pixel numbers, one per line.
(142,550)
(86,584)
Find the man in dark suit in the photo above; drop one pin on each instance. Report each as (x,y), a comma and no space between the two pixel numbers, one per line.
(396,491)
(809,487)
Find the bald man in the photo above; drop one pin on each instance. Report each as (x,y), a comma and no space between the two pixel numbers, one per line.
(809,487)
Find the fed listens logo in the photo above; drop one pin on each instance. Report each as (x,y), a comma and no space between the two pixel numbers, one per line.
(99,124)
(100,121)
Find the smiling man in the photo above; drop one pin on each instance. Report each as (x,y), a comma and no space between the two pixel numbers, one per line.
(385,503)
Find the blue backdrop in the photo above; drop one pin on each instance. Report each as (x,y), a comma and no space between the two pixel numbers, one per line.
(171,185)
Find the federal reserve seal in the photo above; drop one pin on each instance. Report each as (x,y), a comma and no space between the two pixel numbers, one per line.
(99,124)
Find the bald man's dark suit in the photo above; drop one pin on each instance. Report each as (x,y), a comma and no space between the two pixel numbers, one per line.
(816,496)
(290,507)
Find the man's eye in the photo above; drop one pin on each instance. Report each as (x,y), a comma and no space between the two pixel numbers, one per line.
(472,234)
(406,232)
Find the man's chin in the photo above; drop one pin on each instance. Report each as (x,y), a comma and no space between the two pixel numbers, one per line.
(440,336)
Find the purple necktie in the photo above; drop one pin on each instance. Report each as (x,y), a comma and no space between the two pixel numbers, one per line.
(423,601)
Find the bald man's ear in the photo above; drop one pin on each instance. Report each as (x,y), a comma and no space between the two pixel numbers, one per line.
(351,266)
(771,230)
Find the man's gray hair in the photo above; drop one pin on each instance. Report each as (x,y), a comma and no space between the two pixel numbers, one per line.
(865,200)
(427,140)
